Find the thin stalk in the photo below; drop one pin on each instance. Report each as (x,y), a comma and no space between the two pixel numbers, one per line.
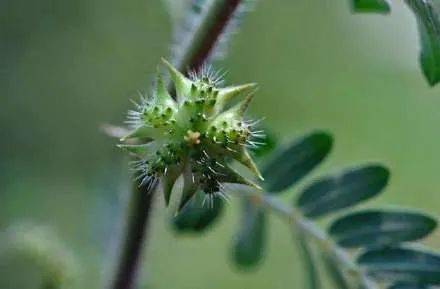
(193,53)
(137,220)
(304,226)
(201,41)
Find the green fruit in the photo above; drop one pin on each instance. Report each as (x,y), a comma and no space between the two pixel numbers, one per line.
(196,134)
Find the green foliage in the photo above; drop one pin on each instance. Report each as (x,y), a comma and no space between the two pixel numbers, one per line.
(291,164)
(402,264)
(377,233)
(249,245)
(427,15)
(401,285)
(378,6)
(197,216)
(373,228)
(331,194)
(428,19)
(269,143)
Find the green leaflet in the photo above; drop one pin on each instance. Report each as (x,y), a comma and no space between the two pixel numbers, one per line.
(402,264)
(374,228)
(376,6)
(297,160)
(427,15)
(348,189)
(249,245)
(197,216)
(410,286)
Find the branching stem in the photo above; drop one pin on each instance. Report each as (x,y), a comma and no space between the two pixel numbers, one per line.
(302,225)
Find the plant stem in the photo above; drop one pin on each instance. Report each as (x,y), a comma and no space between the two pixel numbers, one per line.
(304,226)
(197,47)
(194,52)
(137,219)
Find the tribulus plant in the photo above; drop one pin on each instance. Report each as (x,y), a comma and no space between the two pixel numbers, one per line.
(196,130)
(195,136)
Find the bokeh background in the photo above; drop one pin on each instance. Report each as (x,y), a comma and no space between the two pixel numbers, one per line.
(66,67)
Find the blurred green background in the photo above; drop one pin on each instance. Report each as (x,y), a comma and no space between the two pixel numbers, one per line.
(66,67)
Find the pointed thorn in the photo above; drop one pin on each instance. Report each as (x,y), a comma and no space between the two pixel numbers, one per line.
(243,105)
(228,93)
(247,161)
(181,82)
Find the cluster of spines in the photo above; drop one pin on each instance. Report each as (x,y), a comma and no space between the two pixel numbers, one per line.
(207,76)
(211,170)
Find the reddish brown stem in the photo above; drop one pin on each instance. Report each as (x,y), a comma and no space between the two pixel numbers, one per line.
(135,234)
(212,34)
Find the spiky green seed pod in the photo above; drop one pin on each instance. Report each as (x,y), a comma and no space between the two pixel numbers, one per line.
(196,135)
